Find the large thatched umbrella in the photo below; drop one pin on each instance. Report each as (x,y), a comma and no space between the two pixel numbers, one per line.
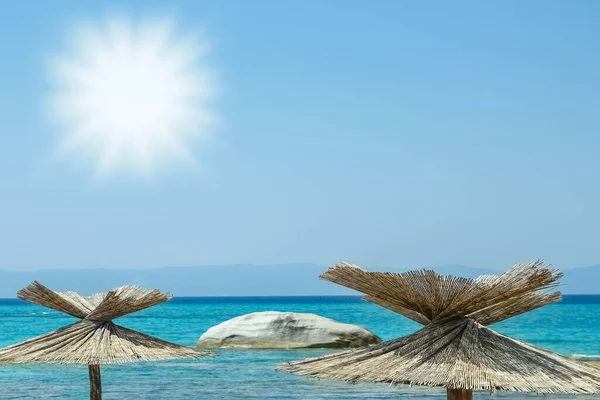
(455,349)
(95,340)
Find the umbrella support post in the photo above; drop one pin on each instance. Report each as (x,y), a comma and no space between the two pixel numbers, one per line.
(460,394)
(95,383)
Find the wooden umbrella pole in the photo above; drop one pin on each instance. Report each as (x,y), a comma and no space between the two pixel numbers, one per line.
(460,394)
(95,383)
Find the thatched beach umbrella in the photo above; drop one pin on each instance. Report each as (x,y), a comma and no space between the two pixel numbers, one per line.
(95,340)
(455,349)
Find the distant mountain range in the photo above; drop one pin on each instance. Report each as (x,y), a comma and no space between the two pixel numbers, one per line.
(239,280)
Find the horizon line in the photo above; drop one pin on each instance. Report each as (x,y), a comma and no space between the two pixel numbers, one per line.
(288,296)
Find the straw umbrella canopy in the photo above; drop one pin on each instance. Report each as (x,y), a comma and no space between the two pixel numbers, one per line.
(95,339)
(455,349)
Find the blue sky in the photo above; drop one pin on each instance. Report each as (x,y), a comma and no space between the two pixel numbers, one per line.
(388,134)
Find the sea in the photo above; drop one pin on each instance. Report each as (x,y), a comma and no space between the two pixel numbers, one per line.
(569,327)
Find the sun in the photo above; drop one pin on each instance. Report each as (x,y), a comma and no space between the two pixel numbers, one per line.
(131,96)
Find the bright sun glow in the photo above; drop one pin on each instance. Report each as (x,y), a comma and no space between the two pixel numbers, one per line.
(131,98)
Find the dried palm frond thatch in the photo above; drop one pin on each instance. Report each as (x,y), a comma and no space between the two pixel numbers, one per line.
(455,349)
(95,340)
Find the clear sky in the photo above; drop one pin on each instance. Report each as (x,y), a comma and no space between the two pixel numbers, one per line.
(385,133)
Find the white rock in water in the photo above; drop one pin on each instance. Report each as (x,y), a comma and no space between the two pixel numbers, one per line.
(285,330)
(585,357)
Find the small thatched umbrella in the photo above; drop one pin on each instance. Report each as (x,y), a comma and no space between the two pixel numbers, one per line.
(95,340)
(455,349)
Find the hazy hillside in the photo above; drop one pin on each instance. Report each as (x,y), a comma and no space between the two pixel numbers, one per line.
(238,280)
(231,280)
(584,280)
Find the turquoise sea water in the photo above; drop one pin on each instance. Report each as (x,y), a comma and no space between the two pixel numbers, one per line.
(572,326)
